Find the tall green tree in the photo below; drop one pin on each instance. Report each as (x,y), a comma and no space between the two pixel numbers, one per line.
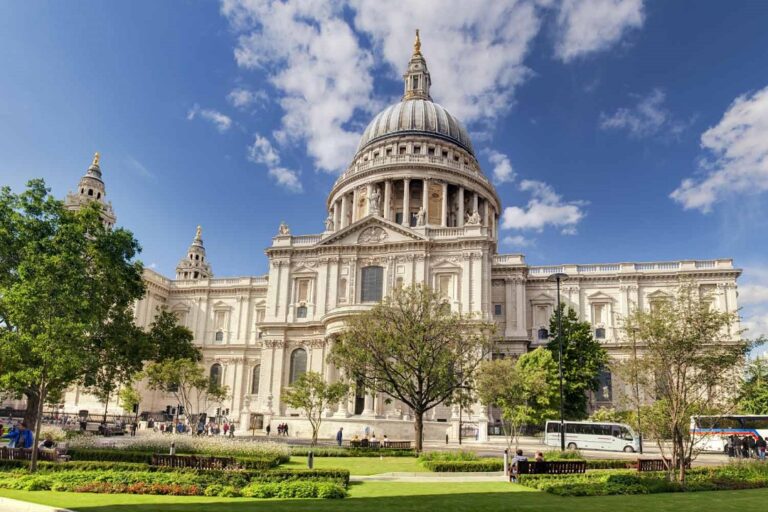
(169,340)
(689,362)
(413,349)
(753,398)
(524,389)
(63,276)
(583,358)
(312,395)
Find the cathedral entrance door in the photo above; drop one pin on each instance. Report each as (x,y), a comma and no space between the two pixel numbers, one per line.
(359,397)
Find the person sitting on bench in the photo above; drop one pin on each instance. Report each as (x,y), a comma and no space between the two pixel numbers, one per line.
(513,467)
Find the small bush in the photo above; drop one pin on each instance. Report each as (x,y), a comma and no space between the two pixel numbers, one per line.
(566,455)
(461,455)
(294,490)
(483,465)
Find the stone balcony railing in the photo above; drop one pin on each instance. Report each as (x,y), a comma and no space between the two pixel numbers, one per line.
(626,268)
(398,160)
(222,283)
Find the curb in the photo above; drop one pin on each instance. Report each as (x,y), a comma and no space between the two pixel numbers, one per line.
(10,505)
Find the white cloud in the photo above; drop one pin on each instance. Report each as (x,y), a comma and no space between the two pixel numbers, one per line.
(588,26)
(502,167)
(516,241)
(221,121)
(243,98)
(545,208)
(648,117)
(738,161)
(262,152)
(317,57)
(753,299)
(140,168)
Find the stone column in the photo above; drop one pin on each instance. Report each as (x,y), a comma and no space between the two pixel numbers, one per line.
(520,306)
(460,209)
(368,190)
(509,311)
(444,206)
(407,202)
(368,410)
(475,202)
(425,200)
(387,199)
(354,205)
(344,210)
(336,216)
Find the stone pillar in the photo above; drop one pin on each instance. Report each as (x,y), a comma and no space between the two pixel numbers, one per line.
(425,200)
(354,205)
(387,199)
(444,206)
(475,202)
(368,191)
(509,311)
(521,330)
(336,216)
(344,210)
(407,202)
(368,410)
(460,209)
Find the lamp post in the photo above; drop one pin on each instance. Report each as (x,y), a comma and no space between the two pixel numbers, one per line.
(557,277)
(637,388)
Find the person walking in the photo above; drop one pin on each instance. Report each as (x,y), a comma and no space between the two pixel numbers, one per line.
(232,430)
(761,447)
(745,447)
(268,429)
(339,436)
(226,428)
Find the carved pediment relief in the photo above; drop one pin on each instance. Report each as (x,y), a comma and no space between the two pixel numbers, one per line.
(371,231)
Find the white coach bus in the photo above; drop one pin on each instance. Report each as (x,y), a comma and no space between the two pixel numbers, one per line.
(587,435)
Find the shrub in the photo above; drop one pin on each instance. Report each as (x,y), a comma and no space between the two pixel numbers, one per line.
(484,465)
(461,455)
(566,455)
(294,490)
(338,476)
(144,457)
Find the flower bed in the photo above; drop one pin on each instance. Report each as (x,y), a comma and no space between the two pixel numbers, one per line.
(145,457)
(602,483)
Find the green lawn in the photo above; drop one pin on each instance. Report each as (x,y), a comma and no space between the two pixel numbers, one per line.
(417,497)
(361,465)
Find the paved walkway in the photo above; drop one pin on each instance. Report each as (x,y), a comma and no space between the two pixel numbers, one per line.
(9,505)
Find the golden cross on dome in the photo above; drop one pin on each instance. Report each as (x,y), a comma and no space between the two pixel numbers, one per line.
(96,157)
(417,44)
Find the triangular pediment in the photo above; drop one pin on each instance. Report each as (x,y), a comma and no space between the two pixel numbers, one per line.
(373,230)
(600,297)
(542,298)
(659,295)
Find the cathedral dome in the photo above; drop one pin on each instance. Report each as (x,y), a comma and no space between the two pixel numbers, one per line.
(418,116)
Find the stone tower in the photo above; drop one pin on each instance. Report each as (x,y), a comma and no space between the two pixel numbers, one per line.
(194,266)
(91,188)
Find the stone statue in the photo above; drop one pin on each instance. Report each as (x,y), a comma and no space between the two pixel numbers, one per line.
(329,222)
(374,206)
(421,217)
(284,229)
(473,219)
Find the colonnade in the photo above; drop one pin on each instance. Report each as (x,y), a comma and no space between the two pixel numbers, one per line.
(450,206)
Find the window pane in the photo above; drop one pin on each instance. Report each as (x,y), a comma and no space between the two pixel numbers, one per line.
(215,375)
(298,364)
(372,284)
(256,374)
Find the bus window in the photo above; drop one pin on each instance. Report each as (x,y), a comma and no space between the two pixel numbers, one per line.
(756,422)
(616,431)
(553,428)
(626,434)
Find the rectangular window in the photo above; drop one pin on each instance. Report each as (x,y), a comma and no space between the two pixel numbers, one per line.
(220,320)
(431,151)
(389,151)
(497,310)
(444,282)
(597,313)
(417,150)
(302,290)
(372,284)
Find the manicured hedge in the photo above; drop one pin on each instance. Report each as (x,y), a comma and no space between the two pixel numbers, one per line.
(303,451)
(482,465)
(609,463)
(294,490)
(340,476)
(117,455)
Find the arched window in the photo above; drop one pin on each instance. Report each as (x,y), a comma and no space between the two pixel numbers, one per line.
(255,374)
(605,388)
(372,284)
(298,365)
(215,375)
(543,334)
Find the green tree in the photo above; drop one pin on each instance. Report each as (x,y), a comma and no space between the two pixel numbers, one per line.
(129,397)
(412,348)
(583,358)
(313,395)
(525,390)
(169,340)
(186,381)
(63,276)
(688,361)
(753,398)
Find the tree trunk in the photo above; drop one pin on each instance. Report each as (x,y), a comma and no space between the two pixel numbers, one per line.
(38,424)
(30,414)
(419,426)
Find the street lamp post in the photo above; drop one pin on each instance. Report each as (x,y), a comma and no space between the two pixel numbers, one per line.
(637,389)
(557,277)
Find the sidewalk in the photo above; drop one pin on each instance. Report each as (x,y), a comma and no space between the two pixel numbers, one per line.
(9,505)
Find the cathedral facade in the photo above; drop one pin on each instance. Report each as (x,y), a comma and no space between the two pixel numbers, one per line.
(413,206)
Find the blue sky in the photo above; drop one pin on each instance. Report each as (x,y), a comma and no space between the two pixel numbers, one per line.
(617,130)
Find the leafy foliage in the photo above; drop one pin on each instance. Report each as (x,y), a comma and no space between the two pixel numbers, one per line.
(753,398)
(583,358)
(313,395)
(414,349)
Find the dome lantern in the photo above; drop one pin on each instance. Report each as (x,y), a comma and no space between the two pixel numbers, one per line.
(416,77)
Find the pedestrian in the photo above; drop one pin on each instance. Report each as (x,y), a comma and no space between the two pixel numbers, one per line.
(285,430)
(12,436)
(268,429)
(745,447)
(752,447)
(226,428)
(761,446)
(232,430)
(514,467)
(339,436)
(134,426)
(48,443)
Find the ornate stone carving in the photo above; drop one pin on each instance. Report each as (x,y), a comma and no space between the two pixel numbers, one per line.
(374,202)
(372,235)
(421,217)
(273,343)
(473,219)
(329,222)
(283,230)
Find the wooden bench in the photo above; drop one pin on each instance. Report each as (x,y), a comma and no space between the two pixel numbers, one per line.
(375,445)
(26,454)
(554,467)
(193,461)
(656,464)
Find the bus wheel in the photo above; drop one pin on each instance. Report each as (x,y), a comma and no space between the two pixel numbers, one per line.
(629,449)
(571,446)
